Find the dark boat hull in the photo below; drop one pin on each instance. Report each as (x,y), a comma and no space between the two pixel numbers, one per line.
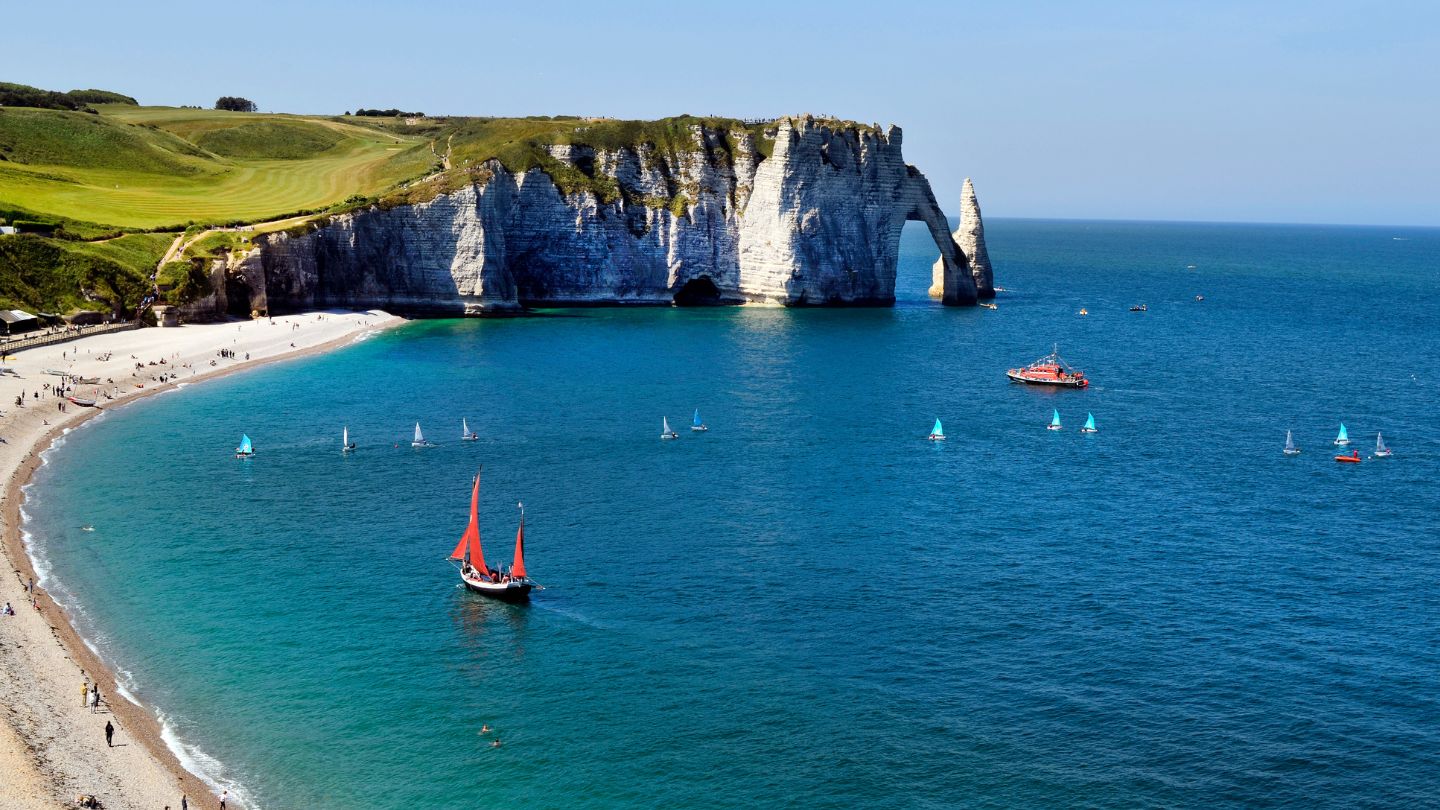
(504,593)
(1051,383)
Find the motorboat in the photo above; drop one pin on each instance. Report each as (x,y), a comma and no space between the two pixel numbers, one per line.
(1049,370)
(1353,458)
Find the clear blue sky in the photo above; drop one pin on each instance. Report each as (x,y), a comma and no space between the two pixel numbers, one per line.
(1274,112)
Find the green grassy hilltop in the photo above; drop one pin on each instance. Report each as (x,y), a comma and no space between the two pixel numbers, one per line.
(93,165)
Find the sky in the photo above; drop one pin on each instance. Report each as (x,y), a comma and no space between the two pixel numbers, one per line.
(1323,112)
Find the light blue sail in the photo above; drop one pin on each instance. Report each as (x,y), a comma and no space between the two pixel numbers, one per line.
(1343,438)
(937,430)
(245,447)
(1055,420)
(1090,423)
(697,422)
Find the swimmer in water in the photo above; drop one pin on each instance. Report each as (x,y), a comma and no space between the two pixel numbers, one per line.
(495,744)
(484,729)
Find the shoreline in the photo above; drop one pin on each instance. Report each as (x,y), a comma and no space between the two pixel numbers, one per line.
(152,771)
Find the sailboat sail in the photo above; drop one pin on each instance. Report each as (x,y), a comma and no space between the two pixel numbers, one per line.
(665,425)
(419,437)
(1343,437)
(245,447)
(345,437)
(1055,420)
(517,568)
(697,421)
(1289,441)
(1380,443)
(1090,421)
(468,549)
(464,428)
(937,430)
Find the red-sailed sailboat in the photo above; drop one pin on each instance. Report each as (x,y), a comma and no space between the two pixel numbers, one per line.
(510,585)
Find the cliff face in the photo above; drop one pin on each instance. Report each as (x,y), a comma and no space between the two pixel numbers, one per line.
(816,223)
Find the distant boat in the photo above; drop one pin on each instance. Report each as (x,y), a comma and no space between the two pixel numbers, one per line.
(1089,424)
(467,435)
(1084,311)
(246,449)
(1139,308)
(1343,438)
(989,306)
(1290,448)
(665,431)
(509,586)
(1054,421)
(696,425)
(1199,298)
(1353,458)
(937,433)
(346,445)
(1381,451)
(419,440)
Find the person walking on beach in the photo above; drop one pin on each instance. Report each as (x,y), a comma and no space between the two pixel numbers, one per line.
(109,735)
(84,694)
(184,802)
(94,698)
(224,795)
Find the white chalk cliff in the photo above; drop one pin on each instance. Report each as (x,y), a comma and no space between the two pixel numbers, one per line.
(817,222)
(970,237)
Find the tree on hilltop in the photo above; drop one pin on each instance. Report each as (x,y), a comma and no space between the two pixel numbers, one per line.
(235,104)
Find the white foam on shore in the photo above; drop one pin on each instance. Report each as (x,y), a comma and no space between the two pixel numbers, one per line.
(196,761)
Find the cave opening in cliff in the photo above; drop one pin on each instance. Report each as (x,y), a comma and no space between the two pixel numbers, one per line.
(698,292)
(237,296)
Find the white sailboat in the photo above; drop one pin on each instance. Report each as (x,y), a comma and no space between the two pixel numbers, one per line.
(1290,448)
(346,445)
(467,435)
(665,431)
(1381,451)
(420,440)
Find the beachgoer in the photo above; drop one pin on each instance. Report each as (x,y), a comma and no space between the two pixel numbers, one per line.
(9,611)
(184,802)
(84,694)
(224,796)
(94,700)
(109,735)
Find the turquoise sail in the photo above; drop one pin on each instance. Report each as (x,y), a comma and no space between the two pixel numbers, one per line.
(937,431)
(1055,420)
(697,422)
(245,447)
(1343,437)
(1090,421)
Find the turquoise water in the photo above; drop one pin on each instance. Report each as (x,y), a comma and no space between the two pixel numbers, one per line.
(811,605)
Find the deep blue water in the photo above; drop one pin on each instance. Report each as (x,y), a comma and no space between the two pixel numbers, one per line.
(811,605)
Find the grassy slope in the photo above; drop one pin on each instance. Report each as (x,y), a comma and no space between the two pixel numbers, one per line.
(55,275)
(141,167)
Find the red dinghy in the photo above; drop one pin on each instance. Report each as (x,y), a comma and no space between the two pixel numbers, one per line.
(1353,458)
(507,585)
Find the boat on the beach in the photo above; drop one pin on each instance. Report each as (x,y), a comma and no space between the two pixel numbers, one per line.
(665,431)
(86,380)
(509,585)
(82,401)
(1343,438)
(1054,421)
(1089,424)
(246,448)
(466,434)
(1381,451)
(937,433)
(1353,458)
(1290,448)
(346,446)
(57,372)
(696,425)
(420,440)
(1049,370)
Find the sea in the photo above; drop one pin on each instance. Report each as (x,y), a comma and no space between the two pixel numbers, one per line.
(809,604)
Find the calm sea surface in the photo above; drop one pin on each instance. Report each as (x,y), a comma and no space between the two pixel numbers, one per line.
(811,605)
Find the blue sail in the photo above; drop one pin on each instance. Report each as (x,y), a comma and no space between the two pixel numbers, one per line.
(1343,437)
(245,447)
(937,431)
(1089,421)
(697,421)
(1055,420)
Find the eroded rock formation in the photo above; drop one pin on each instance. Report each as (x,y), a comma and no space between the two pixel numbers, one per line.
(817,222)
(970,237)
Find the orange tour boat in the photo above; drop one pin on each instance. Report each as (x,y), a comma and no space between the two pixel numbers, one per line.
(1049,370)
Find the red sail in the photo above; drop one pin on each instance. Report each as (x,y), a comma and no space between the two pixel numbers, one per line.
(517,569)
(468,548)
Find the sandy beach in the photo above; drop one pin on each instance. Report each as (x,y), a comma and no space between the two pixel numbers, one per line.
(53,749)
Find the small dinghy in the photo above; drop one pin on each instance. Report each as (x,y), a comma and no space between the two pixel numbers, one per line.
(1290,448)
(346,446)
(665,431)
(82,402)
(466,434)
(1139,308)
(1054,422)
(1353,458)
(1089,424)
(420,440)
(696,425)
(937,433)
(1381,451)
(246,448)
(1343,438)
